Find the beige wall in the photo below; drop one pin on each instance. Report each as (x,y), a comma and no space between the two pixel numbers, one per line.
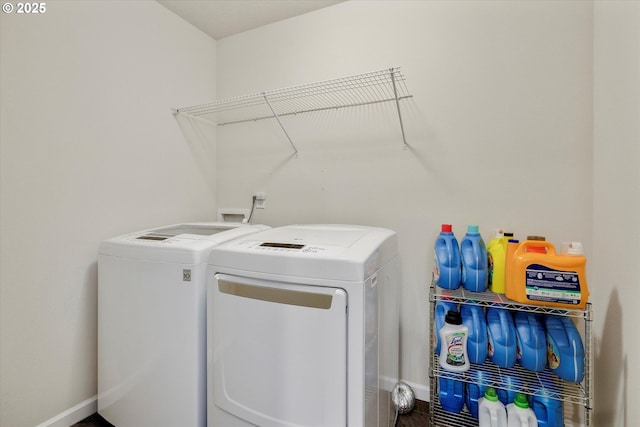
(524,116)
(616,290)
(89,150)
(500,129)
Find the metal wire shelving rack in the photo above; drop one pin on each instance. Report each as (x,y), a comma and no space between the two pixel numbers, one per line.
(573,395)
(352,91)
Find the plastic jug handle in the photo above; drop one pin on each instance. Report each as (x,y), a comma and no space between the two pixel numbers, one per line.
(450,249)
(494,418)
(551,250)
(476,317)
(504,325)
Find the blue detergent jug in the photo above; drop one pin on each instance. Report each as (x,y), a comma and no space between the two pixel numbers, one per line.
(442,307)
(546,403)
(480,380)
(531,341)
(508,387)
(474,319)
(451,395)
(446,272)
(502,337)
(565,350)
(474,261)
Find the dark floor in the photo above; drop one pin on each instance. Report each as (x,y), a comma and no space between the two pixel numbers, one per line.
(419,417)
(94,420)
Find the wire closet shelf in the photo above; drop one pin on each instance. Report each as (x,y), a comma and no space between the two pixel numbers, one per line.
(353,91)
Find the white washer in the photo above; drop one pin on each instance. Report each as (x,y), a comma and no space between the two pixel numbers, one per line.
(302,328)
(151,324)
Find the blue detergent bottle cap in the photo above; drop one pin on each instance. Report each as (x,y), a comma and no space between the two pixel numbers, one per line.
(473,229)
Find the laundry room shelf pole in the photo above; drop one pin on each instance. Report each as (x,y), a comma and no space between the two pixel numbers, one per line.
(275,115)
(395,93)
(382,86)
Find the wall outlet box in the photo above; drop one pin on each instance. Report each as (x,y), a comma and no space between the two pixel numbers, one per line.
(261,199)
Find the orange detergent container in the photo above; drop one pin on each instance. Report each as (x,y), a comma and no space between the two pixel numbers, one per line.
(540,276)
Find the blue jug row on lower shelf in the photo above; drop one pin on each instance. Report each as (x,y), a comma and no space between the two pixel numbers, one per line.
(534,341)
(454,395)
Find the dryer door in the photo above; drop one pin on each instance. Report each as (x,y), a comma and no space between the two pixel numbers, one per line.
(278,352)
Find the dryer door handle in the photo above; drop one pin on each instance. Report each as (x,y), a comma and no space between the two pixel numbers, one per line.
(278,296)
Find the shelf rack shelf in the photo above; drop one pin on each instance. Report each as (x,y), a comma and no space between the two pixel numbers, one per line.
(358,90)
(578,395)
(491,299)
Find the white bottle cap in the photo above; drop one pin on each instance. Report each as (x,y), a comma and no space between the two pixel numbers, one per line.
(571,248)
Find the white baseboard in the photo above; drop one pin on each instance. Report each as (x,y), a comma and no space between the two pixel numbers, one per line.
(90,406)
(420,390)
(73,415)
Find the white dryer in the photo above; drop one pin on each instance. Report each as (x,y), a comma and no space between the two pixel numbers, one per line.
(302,327)
(151,324)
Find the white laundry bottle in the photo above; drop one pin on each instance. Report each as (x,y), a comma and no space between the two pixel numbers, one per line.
(453,343)
(491,412)
(519,414)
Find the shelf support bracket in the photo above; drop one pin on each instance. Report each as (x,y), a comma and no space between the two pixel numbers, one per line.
(275,115)
(395,94)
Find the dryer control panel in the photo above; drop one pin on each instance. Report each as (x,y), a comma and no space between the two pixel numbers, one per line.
(332,252)
(285,247)
(295,247)
(281,245)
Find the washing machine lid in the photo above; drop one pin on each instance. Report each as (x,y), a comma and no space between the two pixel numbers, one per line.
(178,243)
(323,251)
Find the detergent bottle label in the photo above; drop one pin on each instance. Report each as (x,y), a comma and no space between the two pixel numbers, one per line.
(455,349)
(490,267)
(490,347)
(547,284)
(553,355)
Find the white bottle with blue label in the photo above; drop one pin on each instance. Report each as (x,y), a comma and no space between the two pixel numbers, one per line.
(453,343)
(442,308)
